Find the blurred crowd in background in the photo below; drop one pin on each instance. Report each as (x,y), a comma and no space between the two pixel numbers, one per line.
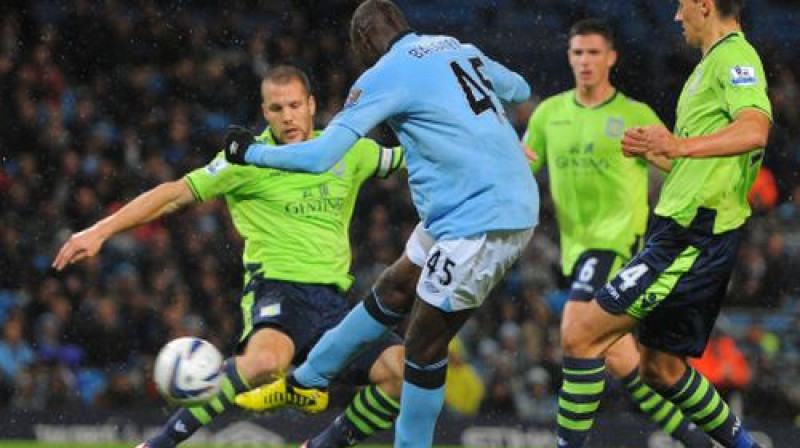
(104,100)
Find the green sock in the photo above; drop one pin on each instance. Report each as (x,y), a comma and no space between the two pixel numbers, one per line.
(371,410)
(232,383)
(186,421)
(664,413)
(579,398)
(698,400)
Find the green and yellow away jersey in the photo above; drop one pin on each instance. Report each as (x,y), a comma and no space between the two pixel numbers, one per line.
(295,225)
(728,79)
(600,196)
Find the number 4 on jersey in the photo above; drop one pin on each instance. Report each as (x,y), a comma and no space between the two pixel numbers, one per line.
(631,275)
(477,92)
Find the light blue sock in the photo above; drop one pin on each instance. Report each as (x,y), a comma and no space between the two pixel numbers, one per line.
(419,410)
(338,346)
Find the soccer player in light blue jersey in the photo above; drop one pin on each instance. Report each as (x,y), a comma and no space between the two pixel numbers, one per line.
(476,197)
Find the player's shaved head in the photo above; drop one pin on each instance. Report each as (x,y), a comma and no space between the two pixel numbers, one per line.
(374,25)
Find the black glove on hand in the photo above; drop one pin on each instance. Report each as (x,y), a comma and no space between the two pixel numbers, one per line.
(237,140)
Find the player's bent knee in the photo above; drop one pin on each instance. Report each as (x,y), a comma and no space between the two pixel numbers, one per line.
(658,375)
(622,357)
(662,372)
(387,372)
(620,365)
(377,307)
(396,285)
(395,357)
(575,339)
(651,375)
(260,367)
(268,352)
(572,344)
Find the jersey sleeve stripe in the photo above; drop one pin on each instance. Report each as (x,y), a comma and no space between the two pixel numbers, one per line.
(193,189)
(755,107)
(385,162)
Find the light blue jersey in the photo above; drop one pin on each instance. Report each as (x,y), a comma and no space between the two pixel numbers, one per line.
(466,170)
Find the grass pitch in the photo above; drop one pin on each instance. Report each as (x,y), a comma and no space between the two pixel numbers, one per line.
(31,444)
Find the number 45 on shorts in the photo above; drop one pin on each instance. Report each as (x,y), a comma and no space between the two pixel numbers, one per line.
(459,274)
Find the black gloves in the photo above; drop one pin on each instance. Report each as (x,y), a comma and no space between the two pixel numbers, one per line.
(237,140)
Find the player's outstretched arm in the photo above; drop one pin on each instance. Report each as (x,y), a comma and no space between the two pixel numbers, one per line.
(313,156)
(163,199)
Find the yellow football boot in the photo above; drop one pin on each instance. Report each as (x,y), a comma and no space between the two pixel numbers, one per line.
(280,394)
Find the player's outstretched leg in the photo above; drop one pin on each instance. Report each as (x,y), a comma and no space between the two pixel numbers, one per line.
(369,321)
(365,324)
(622,359)
(381,310)
(375,407)
(699,400)
(305,388)
(384,307)
(186,421)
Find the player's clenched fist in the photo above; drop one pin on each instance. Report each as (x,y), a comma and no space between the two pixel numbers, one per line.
(633,143)
(237,140)
(654,140)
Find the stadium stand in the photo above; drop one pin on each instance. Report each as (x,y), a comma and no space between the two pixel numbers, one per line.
(102,100)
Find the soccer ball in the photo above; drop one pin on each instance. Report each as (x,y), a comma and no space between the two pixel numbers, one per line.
(188,371)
